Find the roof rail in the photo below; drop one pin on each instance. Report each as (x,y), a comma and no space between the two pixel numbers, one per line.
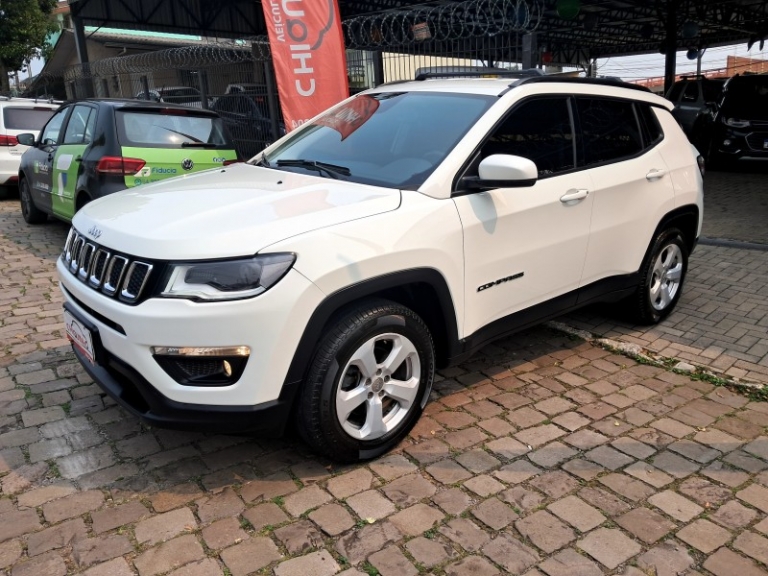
(588,81)
(474,72)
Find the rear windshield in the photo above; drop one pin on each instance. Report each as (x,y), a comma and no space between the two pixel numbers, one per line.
(178,130)
(26,118)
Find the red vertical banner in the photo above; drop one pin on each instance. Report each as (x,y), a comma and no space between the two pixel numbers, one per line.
(307,46)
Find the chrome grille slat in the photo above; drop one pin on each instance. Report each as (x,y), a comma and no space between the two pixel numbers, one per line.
(114,275)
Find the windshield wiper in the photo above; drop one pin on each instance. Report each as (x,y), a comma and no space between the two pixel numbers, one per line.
(333,170)
(194,140)
(261,161)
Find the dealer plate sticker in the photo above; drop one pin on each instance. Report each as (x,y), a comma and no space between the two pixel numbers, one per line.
(80,336)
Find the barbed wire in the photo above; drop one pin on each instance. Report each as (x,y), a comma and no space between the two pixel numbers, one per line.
(441,23)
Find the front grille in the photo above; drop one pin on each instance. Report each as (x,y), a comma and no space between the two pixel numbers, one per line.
(756,141)
(115,275)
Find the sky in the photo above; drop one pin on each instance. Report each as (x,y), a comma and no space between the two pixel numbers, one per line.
(649,65)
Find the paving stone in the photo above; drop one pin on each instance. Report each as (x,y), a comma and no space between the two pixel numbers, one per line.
(350,483)
(226,503)
(359,544)
(608,457)
(555,484)
(206,567)
(392,562)
(109,518)
(675,505)
(727,563)
(753,546)
(674,465)
(223,533)
(175,496)
(758,447)
(516,472)
(50,564)
(495,514)
(448,472)
(165,526)
(306,499)
(263,515)
(42,416)
(248,556)
(477,461)
(116,567)
(429,451)
(718,440)
(408,490)
(496,427)
(756,495)
(371,505)
(704,492)
(9,553)
(17,522)
(745,461)
(526,417)
(584,469)
(539,435)
(552,454)
(666,559)
(633,447)
(648,474)
(673,427)
(509,553)
(465,533)
(59,536)
(733,515)
(577,513)
(89,551)
(508,448)
(704,535)
(570,563)
(81,463)
(319,563)
(452,501)
(694,451)
(48,450)
(471,566)
(545,531)
(332,519)
(554,405)
(299,537)
(645,524)
(38,496)
(484,485)
(428,552)
(725,474)
(609,547)
(73,505)
(392,466)
(416,519)
(571,421)
(626,486)
(22,478)
(522,499)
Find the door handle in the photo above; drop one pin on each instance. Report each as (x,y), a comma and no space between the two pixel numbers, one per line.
(574,195)
(655,174)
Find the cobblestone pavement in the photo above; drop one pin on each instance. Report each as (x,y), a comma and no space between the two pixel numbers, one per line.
(542,455)
(736,204)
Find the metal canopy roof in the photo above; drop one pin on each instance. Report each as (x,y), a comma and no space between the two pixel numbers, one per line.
(601,28)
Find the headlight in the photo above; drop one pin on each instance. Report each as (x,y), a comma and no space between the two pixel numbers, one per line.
(229,279)
(736,123)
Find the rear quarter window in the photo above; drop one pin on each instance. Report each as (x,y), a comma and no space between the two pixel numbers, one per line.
(650,129)
(26,118)
(178,130)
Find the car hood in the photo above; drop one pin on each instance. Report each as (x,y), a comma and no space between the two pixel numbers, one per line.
(234,211)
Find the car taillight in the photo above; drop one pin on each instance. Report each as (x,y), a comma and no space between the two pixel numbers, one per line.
(8,140)
(700,161)
(118,165)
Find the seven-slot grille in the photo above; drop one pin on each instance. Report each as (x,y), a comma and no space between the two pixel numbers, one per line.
(115,275)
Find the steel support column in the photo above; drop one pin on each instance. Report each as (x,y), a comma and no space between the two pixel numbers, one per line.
(82,56)
(670,41)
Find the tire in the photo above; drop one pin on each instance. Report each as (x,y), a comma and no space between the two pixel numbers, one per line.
(31,213)
(661,279)
(347,409)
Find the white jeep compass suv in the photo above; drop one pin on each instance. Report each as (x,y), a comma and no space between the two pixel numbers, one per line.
(326,279)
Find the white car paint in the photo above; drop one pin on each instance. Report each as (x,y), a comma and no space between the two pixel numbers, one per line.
(10,156)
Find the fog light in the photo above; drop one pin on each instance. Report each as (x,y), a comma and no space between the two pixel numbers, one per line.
(204,366)
(727,142)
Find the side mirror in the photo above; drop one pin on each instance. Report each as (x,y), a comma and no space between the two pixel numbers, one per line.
(503,171)
(26,139)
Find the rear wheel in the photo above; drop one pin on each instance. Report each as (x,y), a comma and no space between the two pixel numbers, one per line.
(31,213)
(368,383)
(661,279)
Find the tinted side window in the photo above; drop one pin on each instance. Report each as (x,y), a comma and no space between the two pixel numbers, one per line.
(50,135)
(609,130)
(80,127)
(649,125)
(691,92)
(712,90)
(539,130)
(674,92)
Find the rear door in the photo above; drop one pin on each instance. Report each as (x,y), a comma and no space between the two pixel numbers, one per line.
(67,162)
(171,142)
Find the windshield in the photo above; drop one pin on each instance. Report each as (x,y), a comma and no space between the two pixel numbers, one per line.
(175,129)
(26,118)
(747,98)
(392,139)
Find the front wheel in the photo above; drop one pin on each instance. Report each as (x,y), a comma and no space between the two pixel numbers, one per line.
(368,383)
(31,213)
(661,278)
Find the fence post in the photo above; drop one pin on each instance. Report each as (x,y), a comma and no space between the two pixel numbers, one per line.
(82,56)
(378,68)
(269,80)
(530,51)
(105,87)
(202,81)
(145,87)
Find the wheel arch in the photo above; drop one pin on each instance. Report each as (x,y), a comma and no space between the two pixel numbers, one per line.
(81,199)
(684,218)
(423,290)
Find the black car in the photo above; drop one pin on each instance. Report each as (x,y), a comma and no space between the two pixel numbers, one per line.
(247,119)
(691,95)
(737,127)
(91,148)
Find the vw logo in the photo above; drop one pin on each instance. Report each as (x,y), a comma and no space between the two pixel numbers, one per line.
(187,164)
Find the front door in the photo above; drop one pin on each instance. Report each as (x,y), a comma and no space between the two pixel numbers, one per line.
(41,164)
(68,159)
(525,246)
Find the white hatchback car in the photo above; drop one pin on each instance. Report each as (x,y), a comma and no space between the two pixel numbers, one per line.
(19,115)
(326,279)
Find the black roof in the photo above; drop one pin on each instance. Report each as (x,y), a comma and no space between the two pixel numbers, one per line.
(138,103)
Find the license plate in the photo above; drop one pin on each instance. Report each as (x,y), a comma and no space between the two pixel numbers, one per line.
(80,336)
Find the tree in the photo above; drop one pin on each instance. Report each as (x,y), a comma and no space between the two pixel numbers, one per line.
(24,29)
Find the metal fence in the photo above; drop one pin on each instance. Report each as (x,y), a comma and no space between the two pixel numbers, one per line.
(236,79)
